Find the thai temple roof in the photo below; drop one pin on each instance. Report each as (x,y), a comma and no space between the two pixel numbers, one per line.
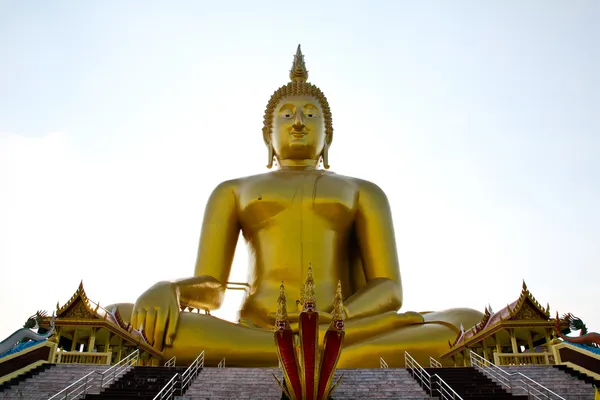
(87,312)
(526,307)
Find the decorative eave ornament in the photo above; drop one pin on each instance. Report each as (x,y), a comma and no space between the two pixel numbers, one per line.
(308,375)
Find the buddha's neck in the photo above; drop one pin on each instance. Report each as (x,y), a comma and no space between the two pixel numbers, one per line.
(298,164)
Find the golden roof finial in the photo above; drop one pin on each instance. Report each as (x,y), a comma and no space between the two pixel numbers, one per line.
(309,289)
(298,71)
(281,315)
(338,304)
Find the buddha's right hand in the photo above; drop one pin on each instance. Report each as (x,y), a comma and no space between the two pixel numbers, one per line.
(157,310)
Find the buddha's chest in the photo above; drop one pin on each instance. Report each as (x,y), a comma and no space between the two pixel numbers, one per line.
(283,199)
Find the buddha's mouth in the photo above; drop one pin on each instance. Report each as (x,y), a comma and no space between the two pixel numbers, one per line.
(299,135)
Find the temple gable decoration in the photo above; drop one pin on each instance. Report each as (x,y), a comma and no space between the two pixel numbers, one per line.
(78,307)
(519,328)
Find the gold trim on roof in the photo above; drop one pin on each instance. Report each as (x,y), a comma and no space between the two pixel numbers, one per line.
(526,295)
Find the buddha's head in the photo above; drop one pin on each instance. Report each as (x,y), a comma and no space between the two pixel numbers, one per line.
(297,124)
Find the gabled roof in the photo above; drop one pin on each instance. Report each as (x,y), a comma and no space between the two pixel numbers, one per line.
(526,307)
(87,312)
(79,306)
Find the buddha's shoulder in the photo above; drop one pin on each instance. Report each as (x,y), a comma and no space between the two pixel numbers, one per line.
(368,189)
(237,184)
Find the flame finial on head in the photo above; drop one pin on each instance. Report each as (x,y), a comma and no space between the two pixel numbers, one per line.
(281,318)
(299,71)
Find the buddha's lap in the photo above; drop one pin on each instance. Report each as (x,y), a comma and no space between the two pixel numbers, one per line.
(386,327)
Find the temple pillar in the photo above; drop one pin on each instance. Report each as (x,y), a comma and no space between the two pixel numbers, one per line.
(92,340)
(466,357)
(74,343)
(107,343)
(530,341)
(119,349)
(513,342)
(485,350)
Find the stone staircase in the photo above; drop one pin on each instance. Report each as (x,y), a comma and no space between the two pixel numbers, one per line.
(258,383)
(52,380)
(377,383)
(561,383)
(469,383)
(141,383)
(236,383)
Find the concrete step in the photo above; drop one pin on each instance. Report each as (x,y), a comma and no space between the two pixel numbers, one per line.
(561,383)
(51,381)
(258,383)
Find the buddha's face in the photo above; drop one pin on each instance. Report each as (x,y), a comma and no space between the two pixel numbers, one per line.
(298,129)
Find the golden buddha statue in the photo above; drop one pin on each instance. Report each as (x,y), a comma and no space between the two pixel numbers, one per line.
(294,216)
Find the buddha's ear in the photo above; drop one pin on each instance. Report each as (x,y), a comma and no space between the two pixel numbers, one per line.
(266,136)
(269,143)
(328,138)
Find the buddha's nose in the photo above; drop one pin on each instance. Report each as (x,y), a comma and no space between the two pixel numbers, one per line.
(298,122)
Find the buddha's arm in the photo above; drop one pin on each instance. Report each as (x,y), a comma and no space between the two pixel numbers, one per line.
(377,243)
(218,239)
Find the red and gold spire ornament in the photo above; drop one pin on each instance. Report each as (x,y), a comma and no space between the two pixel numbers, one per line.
(308,374)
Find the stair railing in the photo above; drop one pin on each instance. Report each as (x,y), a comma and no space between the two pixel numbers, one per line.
(77,388)
(89,381)
(191,372)
(428,382)
(221,363)
(171,362)
(114,372)
(168,391)
(382,363)
(433,363)
(534,389)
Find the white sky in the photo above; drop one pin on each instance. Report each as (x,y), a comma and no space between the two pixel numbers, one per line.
(479,119)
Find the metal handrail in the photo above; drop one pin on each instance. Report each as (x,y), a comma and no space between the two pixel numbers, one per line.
(418,373)
(168,391)
(221,363)
(119,367)
(433,363)
(428,381)
(71,390)
(192,371)
(504,377)
(382,363)
(171,362)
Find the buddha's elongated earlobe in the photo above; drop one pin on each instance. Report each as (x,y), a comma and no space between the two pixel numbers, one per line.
(270,163)
(325,156)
